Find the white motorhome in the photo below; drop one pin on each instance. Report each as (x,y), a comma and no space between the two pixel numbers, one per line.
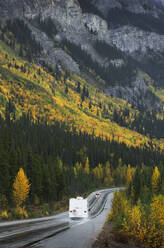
(78,208)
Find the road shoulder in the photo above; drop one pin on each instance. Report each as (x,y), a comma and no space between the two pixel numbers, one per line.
(110,239)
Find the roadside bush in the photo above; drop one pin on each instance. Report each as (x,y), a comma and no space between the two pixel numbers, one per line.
(134,224)
(46,210)
(120,209)
(141,222)
(4,215)
(157,209)
(20,213)
(156,238)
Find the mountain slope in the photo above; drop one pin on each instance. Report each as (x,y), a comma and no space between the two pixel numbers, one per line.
(47,89)
(70,20)
(81,98)
(34,91)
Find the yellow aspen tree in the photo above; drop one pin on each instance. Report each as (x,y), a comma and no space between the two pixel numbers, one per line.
(155,179)
(133,225)
(108,175)
(86,167)
(21,187)
(157,209)
(78,166)
(128,176)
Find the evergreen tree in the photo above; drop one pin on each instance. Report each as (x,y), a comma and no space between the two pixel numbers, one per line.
(66,90)
(78,88)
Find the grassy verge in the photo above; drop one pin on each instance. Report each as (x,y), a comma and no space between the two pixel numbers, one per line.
(35,211)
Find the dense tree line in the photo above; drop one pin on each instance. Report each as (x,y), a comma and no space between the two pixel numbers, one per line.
(144,122)
(144,185)
(48,154)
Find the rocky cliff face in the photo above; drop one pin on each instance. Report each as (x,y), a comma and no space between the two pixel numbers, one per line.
(138,7)
(139,94)
(84,29)
(132,40)
(27,8)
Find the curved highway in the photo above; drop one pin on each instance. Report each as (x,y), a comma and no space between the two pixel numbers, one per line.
(59,231)
(82,233)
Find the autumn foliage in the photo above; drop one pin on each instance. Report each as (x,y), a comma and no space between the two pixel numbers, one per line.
(46,112)
(21,188)
(35,91)
(155,179)
(143,221)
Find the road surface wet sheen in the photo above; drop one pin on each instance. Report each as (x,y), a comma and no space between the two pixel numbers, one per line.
(82,233)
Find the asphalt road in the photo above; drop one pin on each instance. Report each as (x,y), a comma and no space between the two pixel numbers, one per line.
(82,233)
(59,231)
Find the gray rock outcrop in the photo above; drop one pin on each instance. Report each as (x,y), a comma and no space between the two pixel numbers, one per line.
(138,94)
(84,29)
